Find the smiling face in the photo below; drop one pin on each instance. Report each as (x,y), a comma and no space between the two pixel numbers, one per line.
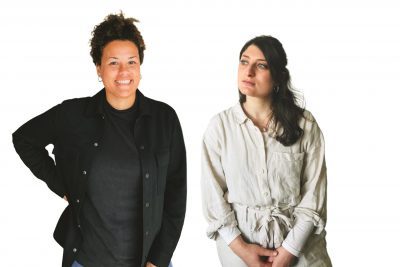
(120,72)
(254,76)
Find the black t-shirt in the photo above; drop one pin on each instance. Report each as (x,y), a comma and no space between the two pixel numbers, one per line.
(112,213)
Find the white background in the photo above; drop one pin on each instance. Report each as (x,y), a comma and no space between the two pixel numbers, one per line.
(343,56)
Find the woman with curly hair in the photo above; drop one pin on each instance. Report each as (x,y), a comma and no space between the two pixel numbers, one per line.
(263,170)
(120,161)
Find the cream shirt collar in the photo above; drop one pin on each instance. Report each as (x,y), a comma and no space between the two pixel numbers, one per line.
(241,117)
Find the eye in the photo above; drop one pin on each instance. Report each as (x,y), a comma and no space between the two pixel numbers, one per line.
(113,63)
(262,66)
(243,62)
(131,62)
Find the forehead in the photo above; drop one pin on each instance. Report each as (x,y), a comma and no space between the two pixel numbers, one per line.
(253,52)
(120,47)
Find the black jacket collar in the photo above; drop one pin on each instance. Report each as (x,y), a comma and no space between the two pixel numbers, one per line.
(96,104)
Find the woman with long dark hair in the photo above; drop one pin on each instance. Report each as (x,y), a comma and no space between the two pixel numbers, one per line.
(263,169)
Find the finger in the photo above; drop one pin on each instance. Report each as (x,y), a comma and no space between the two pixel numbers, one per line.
(271,258)
(267,252)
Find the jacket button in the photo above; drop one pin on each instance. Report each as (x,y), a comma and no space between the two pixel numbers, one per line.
(84,172)
(96,144)
(77,201)
(74,250)
(147,233)
(147,175)
(147,204)
(79,226)
(142,147)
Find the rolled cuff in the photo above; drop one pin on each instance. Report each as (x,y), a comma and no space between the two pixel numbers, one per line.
(297,237)
(307,215)
(228,222)
(228,234)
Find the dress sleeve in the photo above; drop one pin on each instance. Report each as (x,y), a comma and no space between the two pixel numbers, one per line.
(312,206)
(217,210)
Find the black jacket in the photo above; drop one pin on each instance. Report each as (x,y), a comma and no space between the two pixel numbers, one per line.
(75,128)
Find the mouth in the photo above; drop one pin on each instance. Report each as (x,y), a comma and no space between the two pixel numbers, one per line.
(248,83)
(123,82)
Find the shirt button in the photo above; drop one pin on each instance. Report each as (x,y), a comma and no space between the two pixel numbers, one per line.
(84,172)
(77,201)
(74,250)
(96,144)
(147,204)
(147,175)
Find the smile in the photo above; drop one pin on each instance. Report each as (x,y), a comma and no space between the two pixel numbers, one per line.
(123,81)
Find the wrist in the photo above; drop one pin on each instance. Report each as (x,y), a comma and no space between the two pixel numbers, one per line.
(238,245)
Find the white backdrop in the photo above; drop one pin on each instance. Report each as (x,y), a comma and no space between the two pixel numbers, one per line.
(343,56)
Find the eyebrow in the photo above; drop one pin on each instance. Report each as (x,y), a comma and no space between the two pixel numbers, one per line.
(118,58)
(260,59)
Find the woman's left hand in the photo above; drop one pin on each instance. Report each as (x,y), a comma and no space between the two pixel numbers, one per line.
(149,264)
(283,259)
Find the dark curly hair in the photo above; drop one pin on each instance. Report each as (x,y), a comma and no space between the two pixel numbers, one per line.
(285,109)
(115,27)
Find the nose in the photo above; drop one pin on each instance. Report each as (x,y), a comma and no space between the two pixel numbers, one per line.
(123,68)
(250,70)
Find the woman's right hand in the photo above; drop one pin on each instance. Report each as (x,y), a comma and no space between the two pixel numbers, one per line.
(251,253)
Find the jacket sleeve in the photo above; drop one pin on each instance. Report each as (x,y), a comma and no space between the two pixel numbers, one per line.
(30,142)
(174,201)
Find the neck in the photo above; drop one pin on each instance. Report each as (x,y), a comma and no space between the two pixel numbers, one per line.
(257,108)
(121,103)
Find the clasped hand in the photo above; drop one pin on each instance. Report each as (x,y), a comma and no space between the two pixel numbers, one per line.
(256,256)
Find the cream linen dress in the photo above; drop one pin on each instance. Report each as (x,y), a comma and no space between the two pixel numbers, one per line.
(254,186)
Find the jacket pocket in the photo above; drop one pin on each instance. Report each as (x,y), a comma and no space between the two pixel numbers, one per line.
(162,161)
(284,174)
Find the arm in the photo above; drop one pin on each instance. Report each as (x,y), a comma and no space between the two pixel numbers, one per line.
(30,141)
(310,213)
(174,202)
(217,210)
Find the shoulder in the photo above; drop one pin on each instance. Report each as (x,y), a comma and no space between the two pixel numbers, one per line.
(159,106)
(221,123)
(312,134)
(75,102)
(162,113)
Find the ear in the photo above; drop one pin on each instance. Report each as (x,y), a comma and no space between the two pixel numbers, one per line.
(98,70)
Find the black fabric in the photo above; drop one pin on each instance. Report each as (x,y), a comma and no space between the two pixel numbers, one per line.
(76,128)
(111,216)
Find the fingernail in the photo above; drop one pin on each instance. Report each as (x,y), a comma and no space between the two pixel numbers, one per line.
(275,253)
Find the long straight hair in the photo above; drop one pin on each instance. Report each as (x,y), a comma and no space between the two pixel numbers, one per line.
(285,108)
